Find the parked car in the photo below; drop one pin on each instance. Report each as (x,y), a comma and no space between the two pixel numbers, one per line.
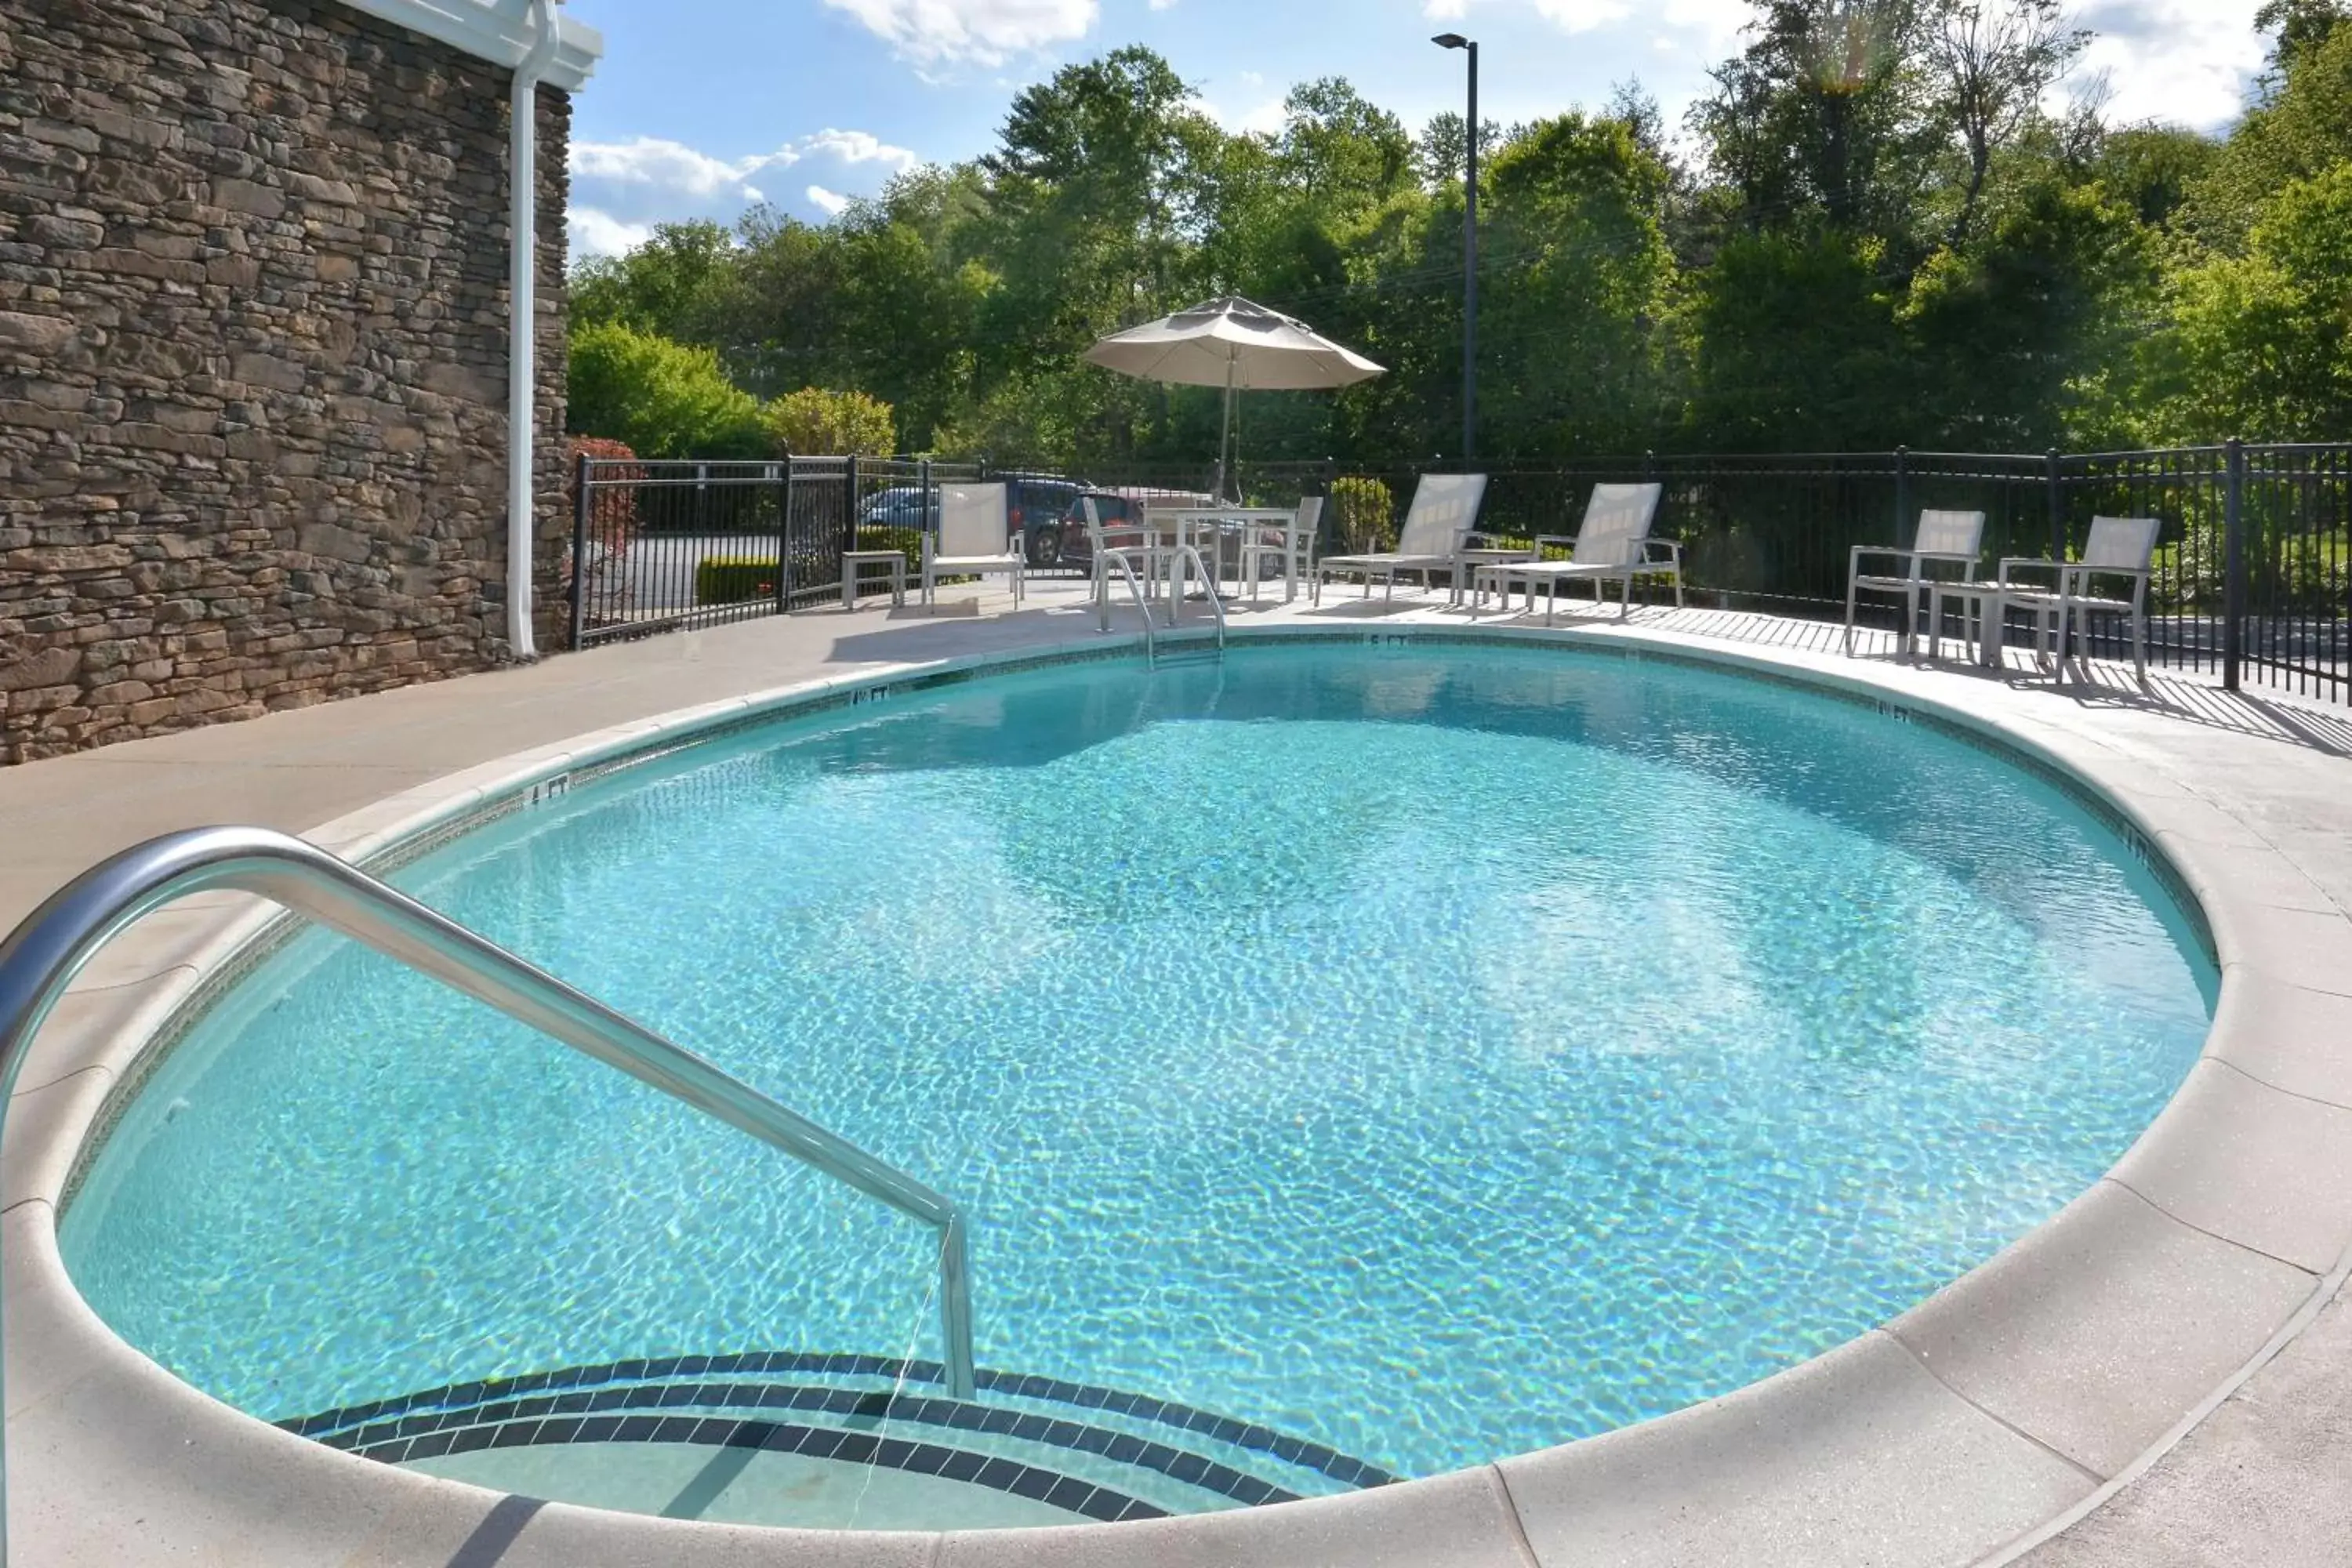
(901,506)
(1038,506)
(1115,507)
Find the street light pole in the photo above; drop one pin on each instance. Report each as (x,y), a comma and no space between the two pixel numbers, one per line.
(1469,250)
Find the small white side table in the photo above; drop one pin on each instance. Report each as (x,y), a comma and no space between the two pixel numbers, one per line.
(1984,617)
(851,560)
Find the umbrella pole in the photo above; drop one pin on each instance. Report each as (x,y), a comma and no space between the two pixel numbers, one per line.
(1226,439)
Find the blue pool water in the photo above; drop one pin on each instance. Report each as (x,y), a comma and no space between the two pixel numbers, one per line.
(1437,1052)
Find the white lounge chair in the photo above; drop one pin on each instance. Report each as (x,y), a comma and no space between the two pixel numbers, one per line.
(1945,538)
(1436,528)
(1290,551)
(2119,549)
(1612,545)
(974,539)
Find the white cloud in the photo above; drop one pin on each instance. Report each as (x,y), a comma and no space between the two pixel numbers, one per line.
(1164,5)
(853,147)
(623,188)
(832,204)
(595,233)
(673,166)
(1266,119)
(988,32)
(1582,16)
(1714,25)
(667,165)
(2186,61)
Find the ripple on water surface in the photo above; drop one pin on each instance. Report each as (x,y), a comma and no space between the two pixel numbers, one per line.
(1437,1052)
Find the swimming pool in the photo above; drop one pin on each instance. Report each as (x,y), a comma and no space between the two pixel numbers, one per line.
(1438,1051)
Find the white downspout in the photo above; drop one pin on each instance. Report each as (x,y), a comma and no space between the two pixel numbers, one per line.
(522,324)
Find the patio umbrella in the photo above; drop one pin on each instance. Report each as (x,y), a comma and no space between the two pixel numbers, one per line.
(1240,346)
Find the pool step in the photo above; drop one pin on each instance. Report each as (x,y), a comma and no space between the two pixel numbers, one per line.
(1087,1452)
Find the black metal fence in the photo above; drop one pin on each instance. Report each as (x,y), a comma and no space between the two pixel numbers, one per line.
(2252,576)
(670,546)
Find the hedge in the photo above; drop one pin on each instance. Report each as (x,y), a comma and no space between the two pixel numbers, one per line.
(733,578)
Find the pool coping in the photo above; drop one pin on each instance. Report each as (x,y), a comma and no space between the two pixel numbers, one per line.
(1968,1429)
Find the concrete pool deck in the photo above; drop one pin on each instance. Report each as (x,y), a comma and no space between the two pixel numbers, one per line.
(2053,1381)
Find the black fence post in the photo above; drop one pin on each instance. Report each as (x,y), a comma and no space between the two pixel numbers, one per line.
(848,515)
(2057,508)
(785,528)
(2233,581)
(1902,490)
(580,504)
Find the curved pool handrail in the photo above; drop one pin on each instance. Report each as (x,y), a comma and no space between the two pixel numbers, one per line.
(1191,552)
(1127,569)
(43,954)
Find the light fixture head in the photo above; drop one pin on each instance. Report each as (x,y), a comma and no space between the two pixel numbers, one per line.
(1451,41)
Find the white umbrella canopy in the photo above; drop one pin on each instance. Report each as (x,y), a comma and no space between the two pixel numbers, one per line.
(1240,346)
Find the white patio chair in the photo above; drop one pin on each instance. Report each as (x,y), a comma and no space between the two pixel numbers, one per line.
(1291,551)
(2119,549)
(1436,528)
(974,539)
(1612,545)
(1945,538)
(1133,537)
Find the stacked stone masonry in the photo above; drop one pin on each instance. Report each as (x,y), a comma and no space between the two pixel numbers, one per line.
(252,262)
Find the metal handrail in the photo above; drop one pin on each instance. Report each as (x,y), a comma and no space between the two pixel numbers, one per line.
(44,952)
(1208,587)
(1142,606)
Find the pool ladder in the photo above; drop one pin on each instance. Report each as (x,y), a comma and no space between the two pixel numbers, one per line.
(42,956)
(1183,554)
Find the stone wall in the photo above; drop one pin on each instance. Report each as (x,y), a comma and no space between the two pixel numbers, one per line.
(253,363)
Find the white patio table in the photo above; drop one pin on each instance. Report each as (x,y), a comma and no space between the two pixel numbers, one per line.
(1193,523)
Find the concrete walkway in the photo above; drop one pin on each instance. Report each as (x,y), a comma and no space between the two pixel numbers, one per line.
(2268,1476)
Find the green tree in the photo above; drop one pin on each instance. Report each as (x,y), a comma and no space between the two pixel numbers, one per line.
(1990,64)
(677,284)
(2299,127)
(2020,335)
(787,330)
(1826,113)
(2260,345)
(1883,233)
(1337,151)
(665,399)
(1581,282)
(1797,348)
(2153,169)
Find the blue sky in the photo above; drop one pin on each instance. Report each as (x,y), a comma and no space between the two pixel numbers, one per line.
(701,108)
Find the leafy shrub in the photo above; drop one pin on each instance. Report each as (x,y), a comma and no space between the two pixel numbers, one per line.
(665,399)
(1366,513)
(735,579)
(814,422)
(614,520)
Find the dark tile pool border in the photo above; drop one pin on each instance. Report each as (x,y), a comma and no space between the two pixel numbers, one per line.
(641,1385)
(1069,1493)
